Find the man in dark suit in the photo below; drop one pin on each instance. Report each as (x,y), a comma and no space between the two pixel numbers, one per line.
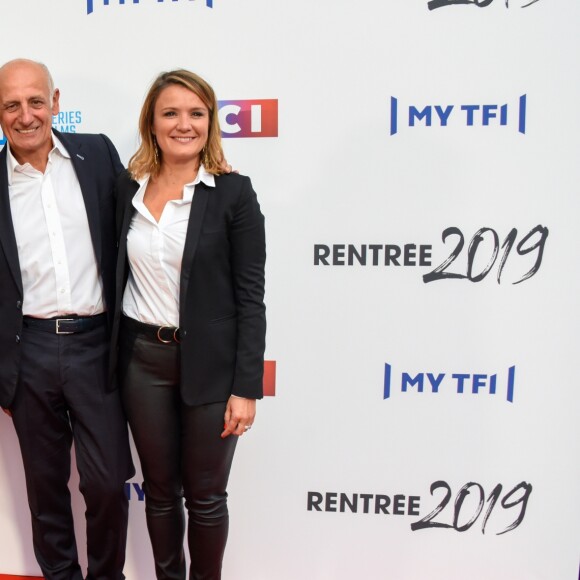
(57,268)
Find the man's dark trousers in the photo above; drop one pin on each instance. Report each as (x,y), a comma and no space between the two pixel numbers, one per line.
(62,387)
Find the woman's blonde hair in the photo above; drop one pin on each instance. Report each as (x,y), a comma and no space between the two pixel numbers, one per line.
(147,159)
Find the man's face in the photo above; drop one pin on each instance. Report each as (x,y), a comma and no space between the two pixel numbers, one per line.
(26,110)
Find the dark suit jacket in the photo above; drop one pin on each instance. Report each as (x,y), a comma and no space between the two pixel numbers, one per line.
(222,315)
(97,164)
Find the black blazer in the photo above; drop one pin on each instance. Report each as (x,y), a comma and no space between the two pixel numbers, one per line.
(222,316)
(97,164)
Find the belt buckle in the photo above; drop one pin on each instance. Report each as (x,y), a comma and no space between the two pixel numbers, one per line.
(159,338)
(58,321)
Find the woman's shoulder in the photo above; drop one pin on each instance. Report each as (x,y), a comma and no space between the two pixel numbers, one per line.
(126,184)
(232,177)
(236,190)
(232,182)
(125,179)
(125,187)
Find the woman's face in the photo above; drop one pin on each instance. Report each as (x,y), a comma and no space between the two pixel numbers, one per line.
(180,124)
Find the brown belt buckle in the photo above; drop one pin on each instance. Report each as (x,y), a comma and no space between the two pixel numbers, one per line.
(159,335)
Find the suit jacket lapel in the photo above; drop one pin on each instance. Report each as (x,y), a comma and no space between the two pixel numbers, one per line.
(7,236)
(82,163)
(198,206)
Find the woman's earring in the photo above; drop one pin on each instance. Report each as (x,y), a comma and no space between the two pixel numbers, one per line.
(155,150)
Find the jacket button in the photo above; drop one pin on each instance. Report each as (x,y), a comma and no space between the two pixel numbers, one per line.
(17,338)
(19,304)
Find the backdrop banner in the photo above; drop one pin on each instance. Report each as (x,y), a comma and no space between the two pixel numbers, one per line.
(418,164)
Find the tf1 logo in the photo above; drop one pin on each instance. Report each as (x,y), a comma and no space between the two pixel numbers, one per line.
(469,115)
(460,383)
(91,3)
(249,118)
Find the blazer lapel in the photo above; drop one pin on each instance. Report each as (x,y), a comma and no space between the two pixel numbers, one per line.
(7,236)
(198,206)
(83,168)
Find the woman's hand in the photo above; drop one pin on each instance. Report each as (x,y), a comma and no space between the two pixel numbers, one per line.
(239,416)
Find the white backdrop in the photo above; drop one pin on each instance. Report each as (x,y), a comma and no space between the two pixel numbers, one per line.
(394,123)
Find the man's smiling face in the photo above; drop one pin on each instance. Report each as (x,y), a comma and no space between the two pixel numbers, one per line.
(26,110)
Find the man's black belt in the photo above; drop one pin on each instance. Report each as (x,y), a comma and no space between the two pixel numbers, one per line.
(71,324)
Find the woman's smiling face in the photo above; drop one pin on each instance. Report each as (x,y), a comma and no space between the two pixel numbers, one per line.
(180,124)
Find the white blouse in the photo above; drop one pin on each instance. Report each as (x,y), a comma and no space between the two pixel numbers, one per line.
(155,251)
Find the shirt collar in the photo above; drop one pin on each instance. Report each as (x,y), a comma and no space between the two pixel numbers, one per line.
(58,146)
(13,165)
(188,189)
(202,176)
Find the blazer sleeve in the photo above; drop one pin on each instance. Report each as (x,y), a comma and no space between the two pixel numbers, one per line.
(248,259)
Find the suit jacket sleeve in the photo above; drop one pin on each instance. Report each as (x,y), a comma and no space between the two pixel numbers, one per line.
(248,257)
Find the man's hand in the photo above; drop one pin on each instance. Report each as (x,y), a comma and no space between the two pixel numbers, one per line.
(226,167)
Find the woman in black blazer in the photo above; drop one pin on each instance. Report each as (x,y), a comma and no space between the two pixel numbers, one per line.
(190,321)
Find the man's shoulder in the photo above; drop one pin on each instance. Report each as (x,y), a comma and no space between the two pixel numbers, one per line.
(81,138)
(98,147)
